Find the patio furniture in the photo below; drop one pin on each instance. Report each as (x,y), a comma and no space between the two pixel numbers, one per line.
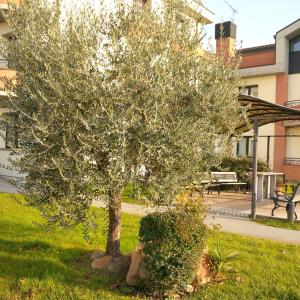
(266,184)
(219,179)
(282,197)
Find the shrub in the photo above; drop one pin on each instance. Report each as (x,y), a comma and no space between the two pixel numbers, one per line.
(221,260)
(173,242)
(241,165)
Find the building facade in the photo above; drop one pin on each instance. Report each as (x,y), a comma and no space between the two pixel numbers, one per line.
(272,72)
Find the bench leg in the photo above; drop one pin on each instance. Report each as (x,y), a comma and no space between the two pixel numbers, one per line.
(276,205)
(286,208)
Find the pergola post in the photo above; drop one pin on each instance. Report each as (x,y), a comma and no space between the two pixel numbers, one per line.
(254,171)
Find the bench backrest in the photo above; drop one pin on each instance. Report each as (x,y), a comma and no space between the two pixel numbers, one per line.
(296,196)
(224,176)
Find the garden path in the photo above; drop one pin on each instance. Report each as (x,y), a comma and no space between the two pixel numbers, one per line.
(6,187)
(230,224)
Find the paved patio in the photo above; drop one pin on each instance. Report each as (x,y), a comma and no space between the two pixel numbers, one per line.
(239,204)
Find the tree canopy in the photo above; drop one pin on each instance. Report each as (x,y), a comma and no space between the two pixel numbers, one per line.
(109,97)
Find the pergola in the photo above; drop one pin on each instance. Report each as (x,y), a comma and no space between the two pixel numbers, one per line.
(259,113)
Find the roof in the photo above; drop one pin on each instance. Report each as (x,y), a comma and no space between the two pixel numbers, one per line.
(288,25)
(269,47)
(264,112)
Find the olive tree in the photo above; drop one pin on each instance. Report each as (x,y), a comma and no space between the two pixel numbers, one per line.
(114,95)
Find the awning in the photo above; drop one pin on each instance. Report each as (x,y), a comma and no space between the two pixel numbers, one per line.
(264,112)
(260,112)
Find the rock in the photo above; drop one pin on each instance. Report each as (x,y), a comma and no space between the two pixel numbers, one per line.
(97,254)
(137,270)
(189,288)
(119,264)
(204,273)
(102,262)
(143,272)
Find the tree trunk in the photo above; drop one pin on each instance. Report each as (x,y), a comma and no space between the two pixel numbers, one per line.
(113,238)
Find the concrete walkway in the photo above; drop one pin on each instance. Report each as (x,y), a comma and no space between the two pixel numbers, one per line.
(6,187)
(249,228)
(228,224)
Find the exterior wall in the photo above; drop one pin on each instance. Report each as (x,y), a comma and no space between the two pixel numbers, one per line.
(294,88)
(5,168)
(266,91)
(280,142)
(293,143)
(225,48)
(273,60)
(258,59)
(292,172)
(4,29)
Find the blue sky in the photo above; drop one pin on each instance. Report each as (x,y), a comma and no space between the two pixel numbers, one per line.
(257,20)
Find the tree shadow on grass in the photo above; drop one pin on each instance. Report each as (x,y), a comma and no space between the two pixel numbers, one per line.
(38,260)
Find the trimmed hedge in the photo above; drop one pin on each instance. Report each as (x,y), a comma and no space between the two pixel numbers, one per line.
(173,242)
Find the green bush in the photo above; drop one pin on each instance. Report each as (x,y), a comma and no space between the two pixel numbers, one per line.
(173,242)
(241,165)
(221,260)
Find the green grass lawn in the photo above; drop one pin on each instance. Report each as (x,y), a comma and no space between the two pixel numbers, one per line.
(279,223)
(129,195)
(39,263)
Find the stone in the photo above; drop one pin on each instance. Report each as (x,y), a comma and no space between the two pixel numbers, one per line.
(189,288)
(119,264)
(97,254)
(137,269)
(143,272)
(102,262)
(204,273)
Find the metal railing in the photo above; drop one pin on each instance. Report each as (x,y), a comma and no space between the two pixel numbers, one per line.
(292,161)
(3,64)
(292,103)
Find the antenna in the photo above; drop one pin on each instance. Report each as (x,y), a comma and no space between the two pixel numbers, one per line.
(234,11)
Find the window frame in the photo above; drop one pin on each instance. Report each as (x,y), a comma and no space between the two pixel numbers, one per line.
(249,88)
(248,152)
(295,40)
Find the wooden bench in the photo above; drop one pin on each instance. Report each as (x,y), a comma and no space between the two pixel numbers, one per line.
(219,179)
(282,197)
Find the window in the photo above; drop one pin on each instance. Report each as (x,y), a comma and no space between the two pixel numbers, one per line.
(8,132)
(244,147)
(250,90)
(294,57)
(295,44)
(293,145)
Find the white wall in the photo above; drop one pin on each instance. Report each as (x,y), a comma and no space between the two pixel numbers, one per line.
(266,91)
(294,87)
(293,143)
(5,166)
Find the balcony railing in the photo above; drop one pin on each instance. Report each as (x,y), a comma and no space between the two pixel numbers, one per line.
(292,103)
(292,161)
(3,64)
(200,11)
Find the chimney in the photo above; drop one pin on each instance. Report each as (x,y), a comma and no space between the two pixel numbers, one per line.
(225,35)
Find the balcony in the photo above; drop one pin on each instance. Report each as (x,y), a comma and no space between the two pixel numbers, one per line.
(199,12)
(3,64)
(292,161)
(4,6)
(293,103)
